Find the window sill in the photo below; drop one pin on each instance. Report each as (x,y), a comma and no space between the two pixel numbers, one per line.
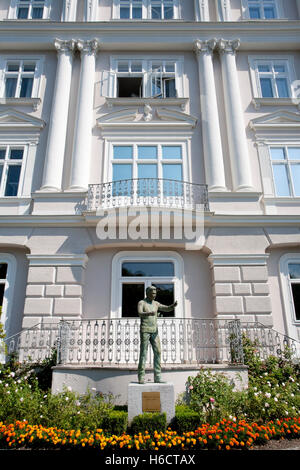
(258,102)
(34,102)
(293,201)
(150,101)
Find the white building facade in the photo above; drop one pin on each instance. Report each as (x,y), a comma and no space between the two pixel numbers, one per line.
(119,113)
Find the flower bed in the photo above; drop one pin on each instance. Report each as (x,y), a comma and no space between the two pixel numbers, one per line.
(225,435)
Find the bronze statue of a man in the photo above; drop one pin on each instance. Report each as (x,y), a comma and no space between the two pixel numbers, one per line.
(148,311)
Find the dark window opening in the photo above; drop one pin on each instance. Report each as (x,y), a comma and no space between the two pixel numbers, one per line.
(130,87)
(296,298)
(131,295)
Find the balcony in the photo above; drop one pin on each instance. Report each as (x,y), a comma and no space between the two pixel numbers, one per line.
(115,342)
(158,192)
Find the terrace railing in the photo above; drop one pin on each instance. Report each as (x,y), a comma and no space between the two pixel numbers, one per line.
(147,192)
(109,342)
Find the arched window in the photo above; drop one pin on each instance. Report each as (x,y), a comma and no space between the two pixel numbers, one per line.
(289,266)
(133,272)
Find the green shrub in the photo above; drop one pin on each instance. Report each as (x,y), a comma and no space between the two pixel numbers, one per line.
(149,422)
(185,419)
(115,422)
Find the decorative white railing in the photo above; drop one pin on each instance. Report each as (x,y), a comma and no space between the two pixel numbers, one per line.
(116,341)
(147,192)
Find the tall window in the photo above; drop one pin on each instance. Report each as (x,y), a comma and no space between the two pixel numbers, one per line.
(147,162)
(11,162)
(133,272)
(162,9)
(294,281)
(138,275)
(138,78)
(286,170)
(262,9)
(20,79)
(3,275)
(273,79)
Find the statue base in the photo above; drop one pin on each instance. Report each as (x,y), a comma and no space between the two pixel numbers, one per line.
(151,397)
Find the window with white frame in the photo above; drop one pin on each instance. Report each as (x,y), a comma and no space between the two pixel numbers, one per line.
(20,78)
(12,159)
(132,273)
(146,9)
(146,78)
(285,162)
(3,281)
(294,285)
(29,9)
(147,163)
(8,267)
(262,9)
(272,77)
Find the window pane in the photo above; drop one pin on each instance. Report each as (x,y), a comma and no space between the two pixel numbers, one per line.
(123,66)
(294,271)
(173,172)
(147,171)
(124,13)
(123,152)
(295,170)
(171,152)
(136,13)
(147,152)
(294,153)
(136,67)
(29,67)
(296,299)
(156,13)
(269,13)
(3,270)
(279,68)
(282,88)
(122,172)
(1,171)
(277,153)
(170,88)
(266,88)
(12,182)
(16,154)
(37,13)
(165,296)
(13,67)
(26,87)
(148,269)
(168,13)
(22,13)
(254,13)
(131,295)
(2,287)
(281,180)
(10,87)
(263,68)
(2,154)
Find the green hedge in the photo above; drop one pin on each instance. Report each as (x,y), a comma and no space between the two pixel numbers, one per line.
(185,419)
(149,422)
(115,422)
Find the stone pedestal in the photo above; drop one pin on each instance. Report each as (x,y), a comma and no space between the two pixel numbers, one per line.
(135,398)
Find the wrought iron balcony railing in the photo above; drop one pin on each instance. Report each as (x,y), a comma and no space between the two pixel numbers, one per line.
(147,192)
(116,341)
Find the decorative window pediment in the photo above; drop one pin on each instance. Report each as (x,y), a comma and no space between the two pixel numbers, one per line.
(9,118)
(278,120)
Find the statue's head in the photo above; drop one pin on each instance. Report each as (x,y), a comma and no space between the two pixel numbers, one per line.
(151,292)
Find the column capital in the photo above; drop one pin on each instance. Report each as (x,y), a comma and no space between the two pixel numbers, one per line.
(64,47)
(228,46)
(204,46)
(88,47)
